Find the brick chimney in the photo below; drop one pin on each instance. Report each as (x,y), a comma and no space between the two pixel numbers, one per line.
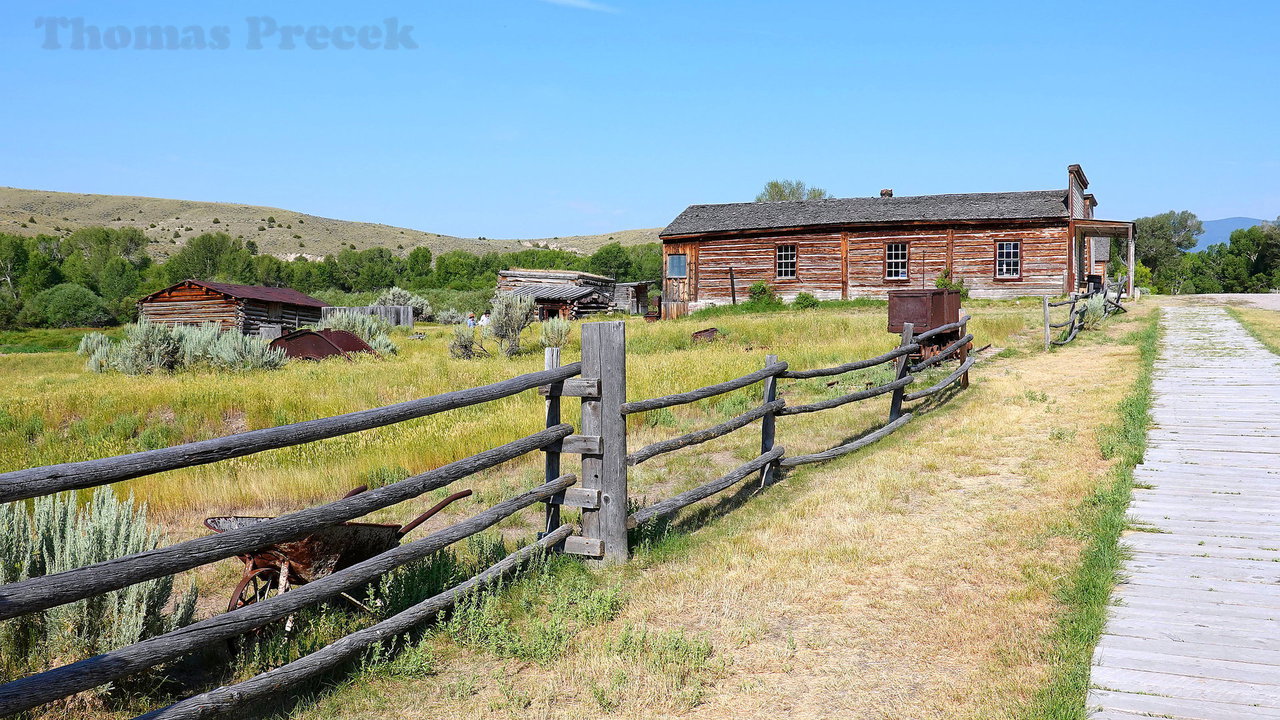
(887,192)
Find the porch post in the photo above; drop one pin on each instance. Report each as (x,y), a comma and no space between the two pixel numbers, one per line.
(1132,269)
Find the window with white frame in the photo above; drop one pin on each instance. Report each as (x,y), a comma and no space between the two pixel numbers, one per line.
(786,262)
(677,266)
(1009,260)
(895,261)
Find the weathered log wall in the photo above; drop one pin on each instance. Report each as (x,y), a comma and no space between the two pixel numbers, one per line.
(835,264)
(191,305)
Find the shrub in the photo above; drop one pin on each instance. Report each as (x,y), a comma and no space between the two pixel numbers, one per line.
(511,315)
(150,348)
(762,294)
(944,281)
(400,296)
(65,305)
(450,316)
(554,332)
(57,537)
(91,343)
(805,301)
(465,345)
(371,329)
(1095,310)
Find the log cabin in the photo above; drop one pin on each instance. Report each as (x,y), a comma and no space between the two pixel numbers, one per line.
(568,294)
(251,309)
(1010,244)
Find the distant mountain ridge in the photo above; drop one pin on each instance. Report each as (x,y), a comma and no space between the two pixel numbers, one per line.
(276,231)
(1219,231)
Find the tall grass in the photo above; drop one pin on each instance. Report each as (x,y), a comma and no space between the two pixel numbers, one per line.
(1086,596)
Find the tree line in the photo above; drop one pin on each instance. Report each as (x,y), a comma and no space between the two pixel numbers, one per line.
(1248,262)
(95,276)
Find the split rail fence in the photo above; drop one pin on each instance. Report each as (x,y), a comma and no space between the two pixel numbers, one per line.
(599,381)
(1079,307)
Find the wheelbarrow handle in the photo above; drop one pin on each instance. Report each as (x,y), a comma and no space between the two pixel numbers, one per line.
(355,491)
(434,509)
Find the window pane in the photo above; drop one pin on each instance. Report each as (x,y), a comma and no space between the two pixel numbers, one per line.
(895,261)
(677,266)
(1008,259)
(786,262)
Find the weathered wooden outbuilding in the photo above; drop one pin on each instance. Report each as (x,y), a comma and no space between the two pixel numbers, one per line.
(569,294)
(1043,242)
(251,309)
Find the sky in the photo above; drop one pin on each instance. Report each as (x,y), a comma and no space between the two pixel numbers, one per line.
(550,118)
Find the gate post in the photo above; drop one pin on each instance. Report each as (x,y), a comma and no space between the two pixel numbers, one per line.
(604,357)
(551,361)
(900,371)
(768,425)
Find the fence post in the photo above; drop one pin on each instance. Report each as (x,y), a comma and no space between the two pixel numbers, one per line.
(604,358)
(963,354)
(551,361)
(900,371)
(1044,299)
(768,425)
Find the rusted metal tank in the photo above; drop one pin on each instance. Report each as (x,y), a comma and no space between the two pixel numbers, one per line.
(317,345)
(925,309)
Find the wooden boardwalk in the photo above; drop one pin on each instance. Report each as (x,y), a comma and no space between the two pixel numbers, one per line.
(1195,627)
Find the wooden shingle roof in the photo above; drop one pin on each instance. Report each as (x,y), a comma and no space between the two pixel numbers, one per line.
(729,217)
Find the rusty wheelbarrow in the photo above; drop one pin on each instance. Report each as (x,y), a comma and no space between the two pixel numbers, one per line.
(276,568)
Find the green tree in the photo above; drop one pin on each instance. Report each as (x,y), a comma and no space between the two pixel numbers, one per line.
(13,263)
(611,260)
(789,190)
(41,274)
(65,305)
(418,265)
(1161,239)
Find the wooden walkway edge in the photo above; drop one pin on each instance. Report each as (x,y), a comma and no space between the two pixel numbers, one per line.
(1194,629)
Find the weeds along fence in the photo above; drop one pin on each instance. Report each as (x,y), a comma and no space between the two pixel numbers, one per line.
(1098,301)
(599,381)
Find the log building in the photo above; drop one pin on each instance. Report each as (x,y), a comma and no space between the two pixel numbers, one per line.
(568,294)
(252,310)
(1043,242)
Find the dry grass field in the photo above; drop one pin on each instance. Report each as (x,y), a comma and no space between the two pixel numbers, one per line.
(914,579)
(294,233)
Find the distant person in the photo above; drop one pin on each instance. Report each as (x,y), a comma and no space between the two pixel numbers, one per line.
(471,320)
(484,320)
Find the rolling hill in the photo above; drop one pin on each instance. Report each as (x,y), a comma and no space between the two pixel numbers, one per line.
(1219,231)
(283,233)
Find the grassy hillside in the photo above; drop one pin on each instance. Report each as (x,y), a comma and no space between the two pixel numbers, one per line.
(170,223)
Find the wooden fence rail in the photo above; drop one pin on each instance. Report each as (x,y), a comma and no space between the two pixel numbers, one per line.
(1078,303)
(599,381)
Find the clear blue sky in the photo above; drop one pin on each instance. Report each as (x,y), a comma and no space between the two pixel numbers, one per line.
(529,118)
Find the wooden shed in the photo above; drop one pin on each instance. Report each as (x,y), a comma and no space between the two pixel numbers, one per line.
(1040,242)
(253,310)
(569,294)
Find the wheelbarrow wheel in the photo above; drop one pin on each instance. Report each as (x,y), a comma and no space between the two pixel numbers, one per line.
(254,587)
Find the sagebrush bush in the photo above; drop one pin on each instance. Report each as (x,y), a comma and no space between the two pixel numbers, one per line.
(1095,310)
(57,536)
(91,343)
(511,315)
(400,296)
(150,348)
(554,332)
(449,316)
(372,329)
(465,345)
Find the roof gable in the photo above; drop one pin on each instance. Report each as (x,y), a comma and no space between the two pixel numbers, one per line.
(701,219)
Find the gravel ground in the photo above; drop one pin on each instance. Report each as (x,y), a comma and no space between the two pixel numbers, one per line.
(1266,301)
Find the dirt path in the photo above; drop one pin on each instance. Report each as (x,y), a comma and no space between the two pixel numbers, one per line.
(1195,632)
